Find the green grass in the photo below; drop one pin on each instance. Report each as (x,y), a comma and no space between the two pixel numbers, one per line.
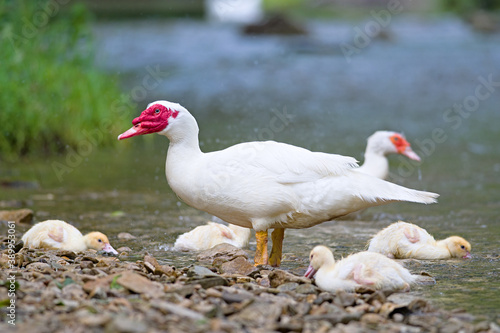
(52,97)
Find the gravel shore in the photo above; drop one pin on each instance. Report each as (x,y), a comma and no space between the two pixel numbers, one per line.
(61,291)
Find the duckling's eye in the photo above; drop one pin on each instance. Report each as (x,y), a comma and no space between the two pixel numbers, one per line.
(99,240)
(312,255)
(157,111)
(462,247)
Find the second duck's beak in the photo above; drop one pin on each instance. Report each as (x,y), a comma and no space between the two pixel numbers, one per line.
(408,152)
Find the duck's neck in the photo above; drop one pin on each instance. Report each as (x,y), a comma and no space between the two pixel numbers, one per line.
(442,249)
(184,148)
(86,242)
(375,163)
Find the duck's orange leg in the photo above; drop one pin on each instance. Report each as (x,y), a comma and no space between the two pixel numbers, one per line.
(277,250)
(261,252)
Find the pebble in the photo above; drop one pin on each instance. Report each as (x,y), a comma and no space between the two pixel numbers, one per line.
(19,215)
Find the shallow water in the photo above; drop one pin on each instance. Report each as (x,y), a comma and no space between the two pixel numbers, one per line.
(235,85)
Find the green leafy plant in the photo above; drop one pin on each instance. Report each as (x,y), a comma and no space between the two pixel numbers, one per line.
(52,94)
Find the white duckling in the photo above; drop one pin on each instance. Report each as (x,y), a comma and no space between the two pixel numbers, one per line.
(211,234)
(263,185)
(402,240)
(361,269)
(380,144)
(59,235)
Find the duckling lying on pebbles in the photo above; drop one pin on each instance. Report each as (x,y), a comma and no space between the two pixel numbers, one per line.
(361,269)
(403,240)
(56,234)
(211,234)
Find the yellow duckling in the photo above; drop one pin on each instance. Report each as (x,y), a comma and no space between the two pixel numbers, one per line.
(211,234)
(361,269)
(55,234)
(403,240)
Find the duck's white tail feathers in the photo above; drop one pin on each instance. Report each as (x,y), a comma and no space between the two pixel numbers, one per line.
(377,190)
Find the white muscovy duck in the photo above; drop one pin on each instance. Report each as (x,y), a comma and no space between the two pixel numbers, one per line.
(368,269)
(206,236)
(60,235)
(380,144)
(402,240)
(263,185)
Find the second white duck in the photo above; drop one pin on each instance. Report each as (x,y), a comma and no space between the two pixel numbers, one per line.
(380,144)
(263,185)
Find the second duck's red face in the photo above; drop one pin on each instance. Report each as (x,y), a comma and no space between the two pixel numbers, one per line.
(152,120)
(403,147)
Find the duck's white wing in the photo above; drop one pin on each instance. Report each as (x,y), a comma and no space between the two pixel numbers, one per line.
(286,164)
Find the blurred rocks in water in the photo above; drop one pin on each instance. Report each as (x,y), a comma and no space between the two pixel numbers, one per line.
(19,215)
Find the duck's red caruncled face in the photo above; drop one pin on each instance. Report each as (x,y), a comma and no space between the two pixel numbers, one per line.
(152,120)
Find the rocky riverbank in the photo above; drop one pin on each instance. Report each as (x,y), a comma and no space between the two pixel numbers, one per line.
(60,291)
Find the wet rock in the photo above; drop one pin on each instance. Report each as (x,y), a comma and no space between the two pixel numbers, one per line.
(334,318)
(238,265)
(39,266)
(139,284)
(344,299)
(154,267)
(373,319)
(73,291)
(288,286)
(258,314)
(223,252)
(124,249)
(126,324)
(167,307)
(484,21)
(19,216)
(125,236)
(181,289)
(95,320)
(199,272)
(279,277)
(86,264)
(233,295)
(307,288)
(209,281)
(276,24)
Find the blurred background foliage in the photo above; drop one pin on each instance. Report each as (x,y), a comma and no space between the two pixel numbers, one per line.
(52,93)
(53,98)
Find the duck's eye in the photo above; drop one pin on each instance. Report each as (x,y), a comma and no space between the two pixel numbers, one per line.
(462,247)
(157,111)
(396,139)
(312,255)
(99,240)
